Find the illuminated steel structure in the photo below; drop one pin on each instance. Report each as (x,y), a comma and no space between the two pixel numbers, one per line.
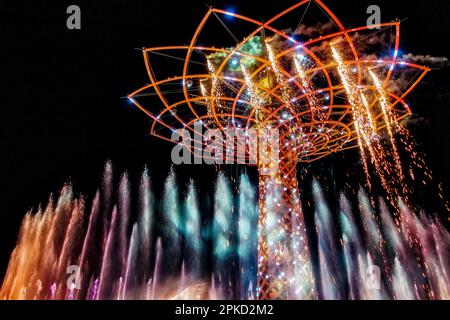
(313,91)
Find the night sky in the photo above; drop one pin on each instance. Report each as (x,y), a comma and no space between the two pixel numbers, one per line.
(62,115)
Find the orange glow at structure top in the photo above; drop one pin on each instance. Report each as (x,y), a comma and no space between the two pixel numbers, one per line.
(182,102)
